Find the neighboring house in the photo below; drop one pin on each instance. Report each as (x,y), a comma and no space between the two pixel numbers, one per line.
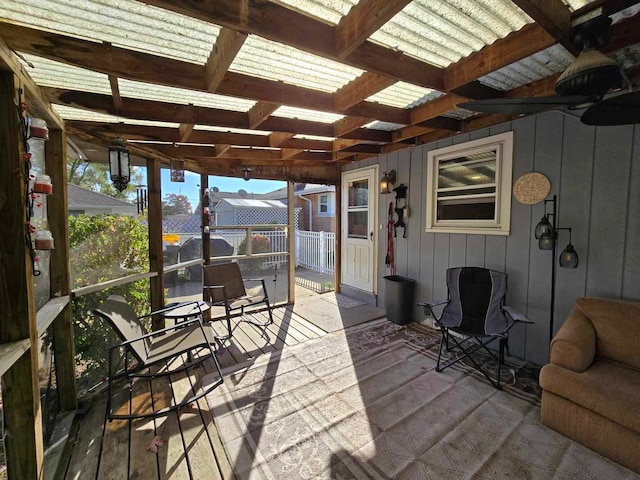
(244,211)
(82,201)
(317,205)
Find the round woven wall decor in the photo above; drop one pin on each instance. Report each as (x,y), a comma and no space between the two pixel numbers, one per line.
(531,188)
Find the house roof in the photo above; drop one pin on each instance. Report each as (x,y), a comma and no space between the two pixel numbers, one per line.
(252,203)
(324,82)
(81,197)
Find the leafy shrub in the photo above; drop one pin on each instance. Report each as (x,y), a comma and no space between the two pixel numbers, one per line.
(259,244)
(103,247)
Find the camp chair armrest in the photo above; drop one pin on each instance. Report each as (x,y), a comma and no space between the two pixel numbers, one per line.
(157,332)
(253,280)
(515,315)
(434,304)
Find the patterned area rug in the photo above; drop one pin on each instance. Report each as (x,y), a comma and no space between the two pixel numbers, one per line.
(367,403)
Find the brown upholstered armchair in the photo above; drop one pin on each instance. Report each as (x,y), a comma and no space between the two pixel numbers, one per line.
(591,388)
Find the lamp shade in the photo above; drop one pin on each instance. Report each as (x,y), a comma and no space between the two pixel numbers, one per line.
(387,181)
(569,257)
(545,242)
(119,169)
(543,228)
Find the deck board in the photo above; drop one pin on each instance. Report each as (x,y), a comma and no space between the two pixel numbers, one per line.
(192,449)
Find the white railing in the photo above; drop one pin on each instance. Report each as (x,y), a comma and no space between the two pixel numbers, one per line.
(277,241)
(316,250)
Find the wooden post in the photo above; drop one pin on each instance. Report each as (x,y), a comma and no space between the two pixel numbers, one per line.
(154,213)
(206,243)
(337,254)
(64,351)
(20,391)
(291,247)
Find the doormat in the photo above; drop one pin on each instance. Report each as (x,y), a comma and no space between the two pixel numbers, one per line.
(341,300)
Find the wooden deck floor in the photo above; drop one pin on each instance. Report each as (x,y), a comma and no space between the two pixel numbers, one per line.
(192,449)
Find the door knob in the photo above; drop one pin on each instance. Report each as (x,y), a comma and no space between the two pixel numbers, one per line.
(371,235)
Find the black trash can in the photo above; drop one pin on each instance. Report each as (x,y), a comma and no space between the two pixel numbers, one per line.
(399,298)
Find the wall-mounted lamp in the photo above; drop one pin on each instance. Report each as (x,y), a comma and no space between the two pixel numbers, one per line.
(119,170)
(546,233)
(246,173)
(387,181)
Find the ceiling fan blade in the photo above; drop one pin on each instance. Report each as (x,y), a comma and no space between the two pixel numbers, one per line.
(619,110)
(515,106)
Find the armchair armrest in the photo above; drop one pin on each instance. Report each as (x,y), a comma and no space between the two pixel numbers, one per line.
(158,332)
(515,315)
(574,346)
(433,304)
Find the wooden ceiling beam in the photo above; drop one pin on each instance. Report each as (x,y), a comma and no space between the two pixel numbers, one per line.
(360,89)
(346,125)
(171,135)
(435,108)
(222,54)
(140,109)
(115,92)
(554,16)
(184,130)
(609,7)
(149,68)
(528,40)
(274,21)
(291,153)
(220,149)
(278,138)
(285,170)
(364,18)
(260,112)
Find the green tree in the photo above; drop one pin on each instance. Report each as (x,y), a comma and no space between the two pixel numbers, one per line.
(174,204)
(95,177)
(104,247)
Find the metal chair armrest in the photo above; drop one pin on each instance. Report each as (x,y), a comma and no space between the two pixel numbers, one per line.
(515,315)
(157,332)
(434,304)
(168,309)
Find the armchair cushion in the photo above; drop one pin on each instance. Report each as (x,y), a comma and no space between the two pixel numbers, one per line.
(574,346)
(617,326)
(607,388)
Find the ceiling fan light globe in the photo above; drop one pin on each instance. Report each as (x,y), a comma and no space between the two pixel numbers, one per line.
(591,73)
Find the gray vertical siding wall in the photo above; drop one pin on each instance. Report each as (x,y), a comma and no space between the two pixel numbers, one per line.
(596,174)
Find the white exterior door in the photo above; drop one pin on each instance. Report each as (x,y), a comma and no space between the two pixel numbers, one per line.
(359,235)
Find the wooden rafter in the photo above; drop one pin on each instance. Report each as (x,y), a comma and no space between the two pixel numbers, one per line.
(260,112)
(554,16)
(360,89)
(364,18)
(115,92)
(281,24)
(276,139)
(184,130)
(222,54)
(139,109)
(346,125)
(117,61)
(528,40)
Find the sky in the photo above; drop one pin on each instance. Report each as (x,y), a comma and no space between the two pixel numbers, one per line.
(191,185)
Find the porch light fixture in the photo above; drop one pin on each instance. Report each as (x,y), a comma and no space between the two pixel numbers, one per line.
(119,164)
(387,181)
(246,173)
(546,233)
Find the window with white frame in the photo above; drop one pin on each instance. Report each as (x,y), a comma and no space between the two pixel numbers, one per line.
(325,205)
(469,187)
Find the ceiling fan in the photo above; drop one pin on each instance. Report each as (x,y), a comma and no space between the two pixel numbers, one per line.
(584,84)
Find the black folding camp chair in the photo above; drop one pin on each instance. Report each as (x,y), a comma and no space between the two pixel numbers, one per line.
(154,348)
(476,311)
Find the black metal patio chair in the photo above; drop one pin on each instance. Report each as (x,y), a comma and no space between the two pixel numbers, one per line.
(474,310)
(150,349)
(223,285)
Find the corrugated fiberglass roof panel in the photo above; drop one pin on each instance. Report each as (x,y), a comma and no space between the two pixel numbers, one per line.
(552,60)
(404,95)
(125,23)
(442,32)
(264,58)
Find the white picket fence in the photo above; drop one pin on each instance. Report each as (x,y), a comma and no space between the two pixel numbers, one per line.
(316,250)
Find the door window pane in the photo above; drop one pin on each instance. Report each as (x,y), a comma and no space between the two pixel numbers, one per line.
(358,224)
(359,193)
